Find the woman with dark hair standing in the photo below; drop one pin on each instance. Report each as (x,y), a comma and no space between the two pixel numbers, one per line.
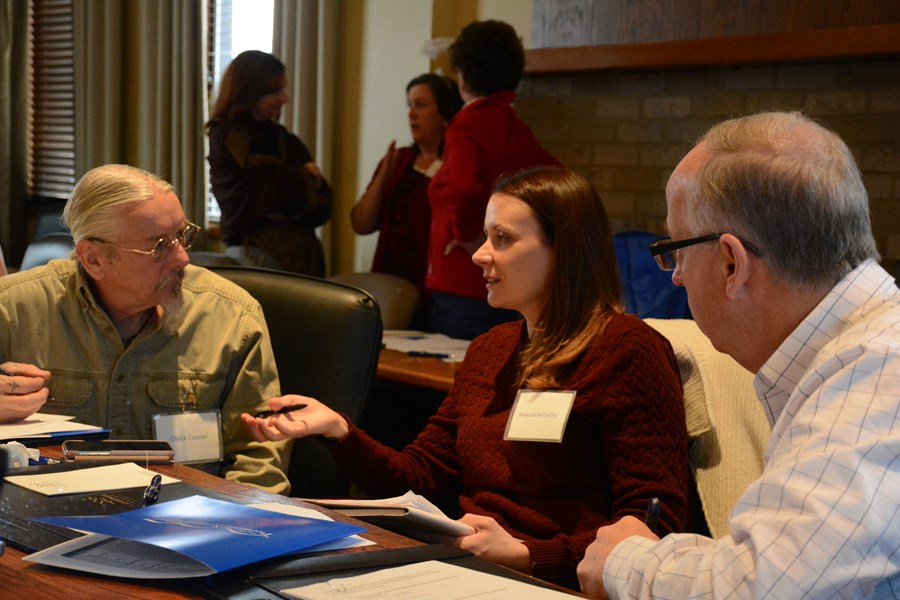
(568,419)
(484,140)
(396,201)
(271,193)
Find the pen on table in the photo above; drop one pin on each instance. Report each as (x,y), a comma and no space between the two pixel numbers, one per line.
(652,516)
(428,354)
(151,494)
(268,413)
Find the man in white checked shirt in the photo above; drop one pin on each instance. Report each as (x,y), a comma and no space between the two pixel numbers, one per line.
(771,228)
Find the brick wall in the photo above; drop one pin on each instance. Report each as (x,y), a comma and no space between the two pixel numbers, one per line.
(626,131)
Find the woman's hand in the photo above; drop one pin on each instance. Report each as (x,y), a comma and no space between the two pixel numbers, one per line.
(315,419)
(365,216)
(493,543)
(468,247)
(387,165)
(313,168)
(23,392)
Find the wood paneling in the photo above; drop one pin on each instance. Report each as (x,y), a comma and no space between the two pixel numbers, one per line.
(806,46)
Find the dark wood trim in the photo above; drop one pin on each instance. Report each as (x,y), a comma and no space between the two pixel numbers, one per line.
(803,46)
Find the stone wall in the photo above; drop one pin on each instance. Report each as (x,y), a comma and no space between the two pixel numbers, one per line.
(626,131)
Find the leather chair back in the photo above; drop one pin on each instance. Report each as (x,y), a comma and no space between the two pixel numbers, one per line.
(326,337)
(397,297)
(44,249)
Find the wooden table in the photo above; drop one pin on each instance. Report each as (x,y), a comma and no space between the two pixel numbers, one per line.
(425,372)
(19,579)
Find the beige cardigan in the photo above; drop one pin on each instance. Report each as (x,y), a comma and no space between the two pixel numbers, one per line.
(726,424)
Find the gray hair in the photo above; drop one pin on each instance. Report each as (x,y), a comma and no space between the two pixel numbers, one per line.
(90,211)
(790,187)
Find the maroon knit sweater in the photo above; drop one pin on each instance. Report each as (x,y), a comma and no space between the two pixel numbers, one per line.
(625,442)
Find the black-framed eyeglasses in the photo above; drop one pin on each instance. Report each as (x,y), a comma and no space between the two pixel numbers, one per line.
(664,250)
(164,246)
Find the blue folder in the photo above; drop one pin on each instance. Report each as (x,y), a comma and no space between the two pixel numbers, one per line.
(222,535)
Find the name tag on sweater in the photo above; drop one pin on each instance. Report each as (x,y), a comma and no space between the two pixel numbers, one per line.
(539,416)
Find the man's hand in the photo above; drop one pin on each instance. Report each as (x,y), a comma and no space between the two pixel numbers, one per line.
(23,392)
(590,569)
(314,419)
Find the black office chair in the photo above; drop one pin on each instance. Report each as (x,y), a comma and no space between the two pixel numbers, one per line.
(44,249)
(326,337)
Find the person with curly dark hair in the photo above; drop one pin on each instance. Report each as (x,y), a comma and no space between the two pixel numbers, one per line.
(396,201)
(271,193)
(484,140)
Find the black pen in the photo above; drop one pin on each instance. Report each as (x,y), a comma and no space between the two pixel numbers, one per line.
(280,411)
(428,354)
(151,494)
(7,373)
(652,516)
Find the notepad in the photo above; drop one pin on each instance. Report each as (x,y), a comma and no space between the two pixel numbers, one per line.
(82,481)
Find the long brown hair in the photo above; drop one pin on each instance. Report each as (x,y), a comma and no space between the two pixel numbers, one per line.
(584,289)
(251,75)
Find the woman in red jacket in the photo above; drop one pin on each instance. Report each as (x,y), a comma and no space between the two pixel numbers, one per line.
(535,474)
(484,140)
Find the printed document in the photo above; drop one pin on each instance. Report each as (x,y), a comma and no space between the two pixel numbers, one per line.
(431,580)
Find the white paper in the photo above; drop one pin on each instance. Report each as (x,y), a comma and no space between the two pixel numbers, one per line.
(351,541)
(412,342)
(431,580)
(41,424)
(106,555)
(425,515)
(95,479)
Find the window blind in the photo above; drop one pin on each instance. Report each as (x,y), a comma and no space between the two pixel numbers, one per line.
(51,164)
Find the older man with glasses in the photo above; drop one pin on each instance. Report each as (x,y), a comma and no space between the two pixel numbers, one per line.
(772,239)
(129,336)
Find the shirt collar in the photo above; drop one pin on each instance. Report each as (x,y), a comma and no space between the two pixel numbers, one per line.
(778,378)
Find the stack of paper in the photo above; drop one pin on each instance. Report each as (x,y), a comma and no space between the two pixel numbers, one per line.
(42,428)
(408,514)
(416,343)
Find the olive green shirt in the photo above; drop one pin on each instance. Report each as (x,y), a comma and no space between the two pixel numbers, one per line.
(219,358)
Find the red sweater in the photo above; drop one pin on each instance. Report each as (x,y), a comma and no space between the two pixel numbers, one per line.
(625,442)
(483,141)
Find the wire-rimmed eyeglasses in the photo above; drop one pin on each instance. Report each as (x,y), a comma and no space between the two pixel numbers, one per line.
(164,246)
(664,250)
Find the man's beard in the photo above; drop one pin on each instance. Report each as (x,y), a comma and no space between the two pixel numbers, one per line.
(173,309)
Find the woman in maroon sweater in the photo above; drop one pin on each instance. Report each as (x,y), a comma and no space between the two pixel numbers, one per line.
(620,441)
(396,200)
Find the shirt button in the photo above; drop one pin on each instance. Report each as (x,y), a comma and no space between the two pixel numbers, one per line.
(120,378)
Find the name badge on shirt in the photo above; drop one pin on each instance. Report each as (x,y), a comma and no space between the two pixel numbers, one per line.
(196,436)
(539,416)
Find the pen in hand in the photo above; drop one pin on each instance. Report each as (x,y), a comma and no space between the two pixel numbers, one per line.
(652,517)
(7,373)
(268,413)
